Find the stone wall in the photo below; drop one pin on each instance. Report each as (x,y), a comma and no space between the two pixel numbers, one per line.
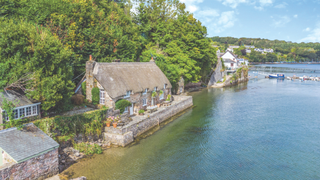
(40,167)
(140,124)
(217,74)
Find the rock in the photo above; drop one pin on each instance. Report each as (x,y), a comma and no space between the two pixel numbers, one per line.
(77,154)
(80,178)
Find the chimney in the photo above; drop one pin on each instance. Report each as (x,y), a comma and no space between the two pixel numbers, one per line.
(89,78)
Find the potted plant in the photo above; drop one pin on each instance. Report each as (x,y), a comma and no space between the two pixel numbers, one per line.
(108,123)
(109,120)
(141,112)
(115,123)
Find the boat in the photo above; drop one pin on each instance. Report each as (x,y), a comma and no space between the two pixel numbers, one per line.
(276,75)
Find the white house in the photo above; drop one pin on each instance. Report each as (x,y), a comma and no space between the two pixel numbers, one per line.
(250,47)
(230,60)
(243,61)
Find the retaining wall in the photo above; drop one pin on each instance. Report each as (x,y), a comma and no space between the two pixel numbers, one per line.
(140,124)
(40,167)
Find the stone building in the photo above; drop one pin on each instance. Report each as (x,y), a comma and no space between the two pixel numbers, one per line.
(25,108)
(133,81)
(27,154)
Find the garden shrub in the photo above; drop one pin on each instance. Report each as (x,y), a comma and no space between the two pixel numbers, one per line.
(122,104)
(95,92)
(89,123)
(168,98)
(87,148)
(141,111)
(84,88)
(77,99)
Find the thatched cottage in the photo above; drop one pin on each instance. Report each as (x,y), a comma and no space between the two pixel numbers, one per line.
(133,81)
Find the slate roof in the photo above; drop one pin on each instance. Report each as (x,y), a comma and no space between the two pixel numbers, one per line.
(119,77)
(25,143)
(229,61)
(12,95)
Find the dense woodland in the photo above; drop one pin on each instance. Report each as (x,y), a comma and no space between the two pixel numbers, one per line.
(44,44)
(283,50)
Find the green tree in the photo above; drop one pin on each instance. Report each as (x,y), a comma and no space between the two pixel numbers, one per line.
(29,49)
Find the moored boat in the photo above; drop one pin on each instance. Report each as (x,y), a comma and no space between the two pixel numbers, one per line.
(276,75)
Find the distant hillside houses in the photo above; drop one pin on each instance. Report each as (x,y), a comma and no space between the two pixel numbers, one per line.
(252,47)
(264,50)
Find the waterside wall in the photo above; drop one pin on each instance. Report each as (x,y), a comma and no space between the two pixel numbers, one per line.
(140,124)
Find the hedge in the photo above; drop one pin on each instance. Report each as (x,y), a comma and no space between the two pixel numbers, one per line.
(122,104)
(89,123)
(95,95)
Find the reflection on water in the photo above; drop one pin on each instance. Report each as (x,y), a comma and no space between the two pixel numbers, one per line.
(265,129)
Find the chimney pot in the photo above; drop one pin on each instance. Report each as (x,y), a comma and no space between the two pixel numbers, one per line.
(90,58)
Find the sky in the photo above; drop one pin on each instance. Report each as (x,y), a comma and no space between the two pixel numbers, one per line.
(294,20)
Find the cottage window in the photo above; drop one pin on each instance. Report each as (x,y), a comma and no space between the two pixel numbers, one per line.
(102,96)
(34,110)
(145,91)
(145,102)
(126,109)
(165,86)
(15,114)
(22,112)
(128,94)
(155,89)
(28,111)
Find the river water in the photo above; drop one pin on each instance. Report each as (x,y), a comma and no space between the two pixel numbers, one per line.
(263,129)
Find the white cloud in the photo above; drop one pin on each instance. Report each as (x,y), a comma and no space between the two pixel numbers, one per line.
(282,5)
(280,21)
(191,5)
(314,36)
(295,16)
(216,22)
(233,3)
(307,29)
(262,4)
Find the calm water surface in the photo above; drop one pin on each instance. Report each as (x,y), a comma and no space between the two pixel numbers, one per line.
(265,129)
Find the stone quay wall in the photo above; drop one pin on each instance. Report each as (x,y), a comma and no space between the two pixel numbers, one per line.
(40,167)
(140,124)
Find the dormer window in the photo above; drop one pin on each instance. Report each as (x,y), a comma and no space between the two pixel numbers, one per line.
(145,91)
(155,89)
(165,86)
(128,94)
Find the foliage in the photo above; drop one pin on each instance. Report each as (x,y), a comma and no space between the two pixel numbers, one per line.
(168,97)
(141,111)
(8,108)
(84,88)
(87,148)
(95,92)
(122,104)
(154,94)
(160,92)
(25,49)
(89,123)
(283,50)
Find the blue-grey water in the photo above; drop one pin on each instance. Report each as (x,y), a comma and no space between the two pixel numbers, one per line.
(264,129)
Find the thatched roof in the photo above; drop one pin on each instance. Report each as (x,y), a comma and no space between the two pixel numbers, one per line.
(119,77)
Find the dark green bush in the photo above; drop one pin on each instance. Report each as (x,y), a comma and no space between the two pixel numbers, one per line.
(95,95)
(122,104)
(141,111)
(84,88)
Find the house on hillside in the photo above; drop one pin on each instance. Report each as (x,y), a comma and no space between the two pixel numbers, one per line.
(230,60)
(133,81)
(25,107)
(243,61)
(27,153)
